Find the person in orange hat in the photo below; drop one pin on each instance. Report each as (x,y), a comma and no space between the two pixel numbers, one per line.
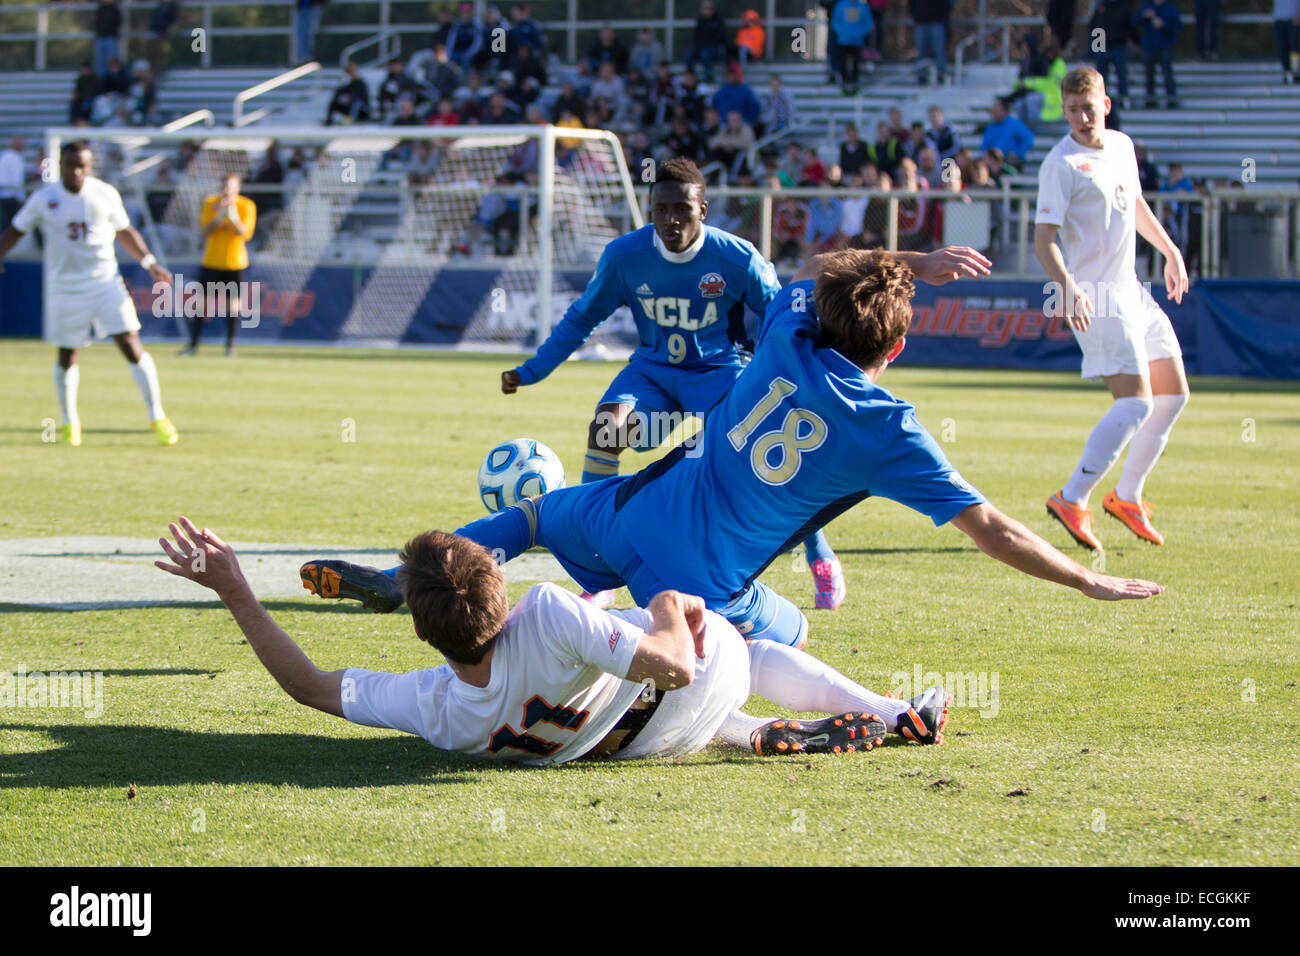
(751,38)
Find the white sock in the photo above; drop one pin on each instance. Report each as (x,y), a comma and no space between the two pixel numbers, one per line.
(1145,448)
(739,727)
(65,386)
(1108,438)
(146,380)
(795,679)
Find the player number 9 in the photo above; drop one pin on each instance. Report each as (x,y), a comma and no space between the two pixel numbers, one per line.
(676,347)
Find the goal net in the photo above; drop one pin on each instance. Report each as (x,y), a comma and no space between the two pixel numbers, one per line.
(474,237)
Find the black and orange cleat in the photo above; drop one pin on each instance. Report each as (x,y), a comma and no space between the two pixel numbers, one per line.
(1134,516)
(925,721)
(343,579)
(842,733)
(1077,521)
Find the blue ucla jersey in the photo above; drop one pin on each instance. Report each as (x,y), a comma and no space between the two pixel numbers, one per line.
(689,306)
(801,437)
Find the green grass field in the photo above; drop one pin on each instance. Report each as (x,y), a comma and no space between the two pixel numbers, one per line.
(1156,732)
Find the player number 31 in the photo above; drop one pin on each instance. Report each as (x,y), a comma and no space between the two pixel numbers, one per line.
(792,439)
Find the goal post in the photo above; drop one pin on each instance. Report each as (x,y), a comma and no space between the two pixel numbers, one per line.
(462,236)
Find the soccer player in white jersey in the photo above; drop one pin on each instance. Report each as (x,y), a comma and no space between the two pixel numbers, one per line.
(80,217)
(557,678)
(1088,192)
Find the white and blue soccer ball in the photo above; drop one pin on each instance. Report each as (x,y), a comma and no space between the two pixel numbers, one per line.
(518,469)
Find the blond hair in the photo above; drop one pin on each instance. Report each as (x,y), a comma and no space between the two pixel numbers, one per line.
(1083,79)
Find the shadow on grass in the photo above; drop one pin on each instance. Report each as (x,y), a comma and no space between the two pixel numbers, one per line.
(309,605)
(131,671)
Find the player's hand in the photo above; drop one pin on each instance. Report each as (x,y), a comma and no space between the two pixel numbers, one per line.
(1105,587)
(1176,277)
(693,610)
(159,274)
(1075,307)
(201,557)
(952,262)
(510,382)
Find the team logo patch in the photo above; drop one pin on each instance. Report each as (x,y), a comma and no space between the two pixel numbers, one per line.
(53,204)
(962,483)
(613,640)
(712,285)
(1121,201)
(1085,167)
(644,290)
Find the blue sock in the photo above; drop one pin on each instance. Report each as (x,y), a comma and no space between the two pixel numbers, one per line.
(507,533)
(817,547)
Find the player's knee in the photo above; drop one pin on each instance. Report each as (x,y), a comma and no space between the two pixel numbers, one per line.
(1136,409)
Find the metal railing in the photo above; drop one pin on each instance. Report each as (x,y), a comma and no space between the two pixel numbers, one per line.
(240,118)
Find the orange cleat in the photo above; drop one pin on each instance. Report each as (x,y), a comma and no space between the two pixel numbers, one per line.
(1135,517)
(1077,521)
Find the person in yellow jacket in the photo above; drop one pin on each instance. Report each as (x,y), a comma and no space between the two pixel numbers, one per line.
(1043,104)
(227,220)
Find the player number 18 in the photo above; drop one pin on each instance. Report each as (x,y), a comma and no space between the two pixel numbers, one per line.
(791,439)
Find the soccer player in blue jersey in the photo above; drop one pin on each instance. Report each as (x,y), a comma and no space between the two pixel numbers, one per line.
(804,434)
(687,285)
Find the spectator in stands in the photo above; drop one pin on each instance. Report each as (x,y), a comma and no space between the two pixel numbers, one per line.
(446,20)
(1286,32)
(777,175)
(876,40)
(709,40)
(351,99)
(941,135)
(508,86)
(692,99)
(638,153)
(465,38)
(116,79)
(500,111)
(789,226)
(814,170)
(1009,134)
(929,169)
(1114,18)
(270,172)
(161,21)
(494,53)
(647,53)
(529,67)
(401,153)
(143,96)
(13,181)
(886,151)
(897,128)
(470,98)
(636,92)
(853,209)
(914,222)
(931,20)
(732,141)
(683,141)
(777,110)
(823,230)
(792,165)
(965,163)
(736,95)
(84,92)
(993,163)
(850,25)
(608,48)
(665,96)
(608,91)
(1176,218)
(424,162)
(1160,23)
(568,102)
(525,31)
(444,113)
(159,195)
(980,178)
(1040,96)
(442,76)
(1060,20)
(751,38)
(1207,29)
(306,25)
(108,24)
(916,141)
(853,152)
(396,84)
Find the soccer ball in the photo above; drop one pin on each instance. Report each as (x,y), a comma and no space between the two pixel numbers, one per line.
(518,469)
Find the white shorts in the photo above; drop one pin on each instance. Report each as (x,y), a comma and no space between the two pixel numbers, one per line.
(1127,339)
(689,717)
(103,309)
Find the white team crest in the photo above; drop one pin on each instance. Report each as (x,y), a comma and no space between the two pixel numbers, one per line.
(712,285)
(644,290)
(962,483)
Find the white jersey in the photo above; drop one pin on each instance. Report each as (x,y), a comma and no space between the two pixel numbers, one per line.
(79,229)
(556,688)
(1092,194)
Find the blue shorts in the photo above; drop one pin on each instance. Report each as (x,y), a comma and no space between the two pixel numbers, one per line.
(660,392)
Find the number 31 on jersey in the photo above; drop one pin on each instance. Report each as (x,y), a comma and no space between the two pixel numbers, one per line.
(801,431)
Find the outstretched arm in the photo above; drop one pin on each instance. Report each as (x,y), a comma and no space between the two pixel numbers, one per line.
(1006,539)
(204,558)
(936,268)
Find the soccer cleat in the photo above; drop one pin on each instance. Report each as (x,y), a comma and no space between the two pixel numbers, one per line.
(343,579)
(166,431)
(925,721)
(1077,521)
(843,733)
(189,350)
(829,578)
(70,434)
(1135,517)
(601,599)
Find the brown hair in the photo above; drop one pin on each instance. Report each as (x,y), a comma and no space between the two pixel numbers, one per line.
(1083,79)
(456,593)
(864,301)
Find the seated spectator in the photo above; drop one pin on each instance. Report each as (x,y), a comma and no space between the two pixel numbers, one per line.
(853,209)
(529,66)
(774,172)
(1009,134)
(708,41)
(647,53)
(897,128)
(665,96)
(1160,23)
(500,111)
(751,38)
(442,76)
(608,48)
(494,55)
(396,84)
(568,102)
(525,31)
(84,92)
(776,111)
(993,163)
(814,170)
(270,172)
(929,169)
(636,93)
(850,26)
(916,141)
(823,230)
(980,178)
(792,165)
(942,136)
(683,141)
(965,163)
(465,38)
(509,87)
(116,79)
(1041,100)
(143,96)
(731,142)
(401,153)
(853,152)
(424,163)
(638,153)
(444,113)
(789,226)
(914,221)
(608,93)
(692,99)
(471,98)
(351,99)
(568,120)
(736,95)
(446,21)
(886,151)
